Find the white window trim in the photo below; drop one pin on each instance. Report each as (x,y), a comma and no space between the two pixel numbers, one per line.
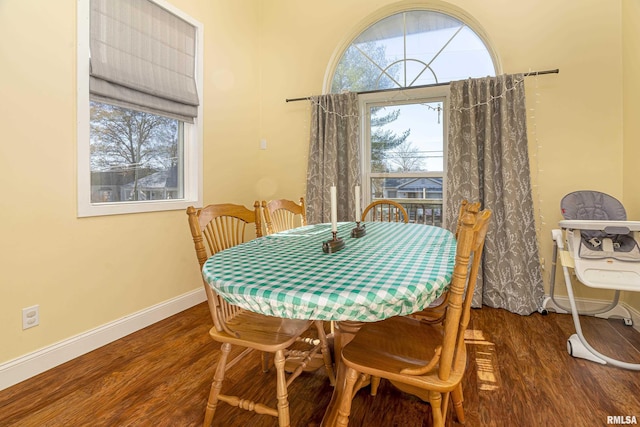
(193,161)
(366,100)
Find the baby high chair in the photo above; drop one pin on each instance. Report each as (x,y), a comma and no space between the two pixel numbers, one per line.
(602,249)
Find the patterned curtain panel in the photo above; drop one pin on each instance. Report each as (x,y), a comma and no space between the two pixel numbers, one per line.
(487,161)
(334,156)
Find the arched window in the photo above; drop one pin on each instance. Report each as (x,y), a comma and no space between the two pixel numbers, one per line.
(404,135)
(409,49)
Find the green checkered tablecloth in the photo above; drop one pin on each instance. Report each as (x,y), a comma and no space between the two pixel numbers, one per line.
(395,269)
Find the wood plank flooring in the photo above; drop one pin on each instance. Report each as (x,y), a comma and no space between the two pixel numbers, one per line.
(519,373)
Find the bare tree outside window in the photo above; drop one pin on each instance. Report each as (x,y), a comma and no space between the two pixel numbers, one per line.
(134,155)
(406,158)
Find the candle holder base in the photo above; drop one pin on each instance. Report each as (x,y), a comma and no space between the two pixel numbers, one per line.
(358,231)
(333,245)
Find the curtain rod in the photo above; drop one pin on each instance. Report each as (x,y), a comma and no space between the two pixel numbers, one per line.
(530,73)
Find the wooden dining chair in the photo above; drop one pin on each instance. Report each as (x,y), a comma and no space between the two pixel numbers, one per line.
(283,214)
(426,360)
(218,227)
(385,211)
(436,311)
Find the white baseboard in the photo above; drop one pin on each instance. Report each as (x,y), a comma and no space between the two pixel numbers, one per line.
(32,364)
(593,304)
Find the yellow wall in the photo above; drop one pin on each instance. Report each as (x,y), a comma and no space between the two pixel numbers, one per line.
(87,272)
(631,103)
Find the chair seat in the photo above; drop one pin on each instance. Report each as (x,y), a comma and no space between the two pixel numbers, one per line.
(265,333)
(381,349)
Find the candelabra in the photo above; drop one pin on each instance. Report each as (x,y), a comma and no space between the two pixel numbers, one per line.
(333,245)
(358,231)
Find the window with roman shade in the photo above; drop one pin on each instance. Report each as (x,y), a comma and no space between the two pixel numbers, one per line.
(140,67)
(143,58)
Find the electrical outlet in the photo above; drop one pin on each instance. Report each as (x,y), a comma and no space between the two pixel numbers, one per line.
(30,317)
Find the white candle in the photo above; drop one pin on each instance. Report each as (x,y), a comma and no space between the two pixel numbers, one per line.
(357,203)
(334,209)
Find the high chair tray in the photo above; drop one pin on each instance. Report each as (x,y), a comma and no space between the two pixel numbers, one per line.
(611,227)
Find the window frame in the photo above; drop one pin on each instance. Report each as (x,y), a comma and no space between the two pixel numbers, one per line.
(389,10)
(428,92)
(438,93)
(192,143)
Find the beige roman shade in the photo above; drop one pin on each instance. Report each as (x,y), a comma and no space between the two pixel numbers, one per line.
(143,57)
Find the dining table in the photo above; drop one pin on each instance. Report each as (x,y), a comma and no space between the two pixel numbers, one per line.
(394,269)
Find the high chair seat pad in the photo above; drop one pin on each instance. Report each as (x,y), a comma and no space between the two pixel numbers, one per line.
(620,247)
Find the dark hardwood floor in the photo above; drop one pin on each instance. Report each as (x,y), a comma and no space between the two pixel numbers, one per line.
(519,374)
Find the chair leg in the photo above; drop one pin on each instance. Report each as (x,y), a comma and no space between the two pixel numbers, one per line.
(326,352)
(264,358)
(375,383)
(281,390)
(446,397)
(435,400)
(218,377)
(456,397)
(345,402)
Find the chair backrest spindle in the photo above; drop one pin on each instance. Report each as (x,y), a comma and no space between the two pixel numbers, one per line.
(385,211)
(283,214)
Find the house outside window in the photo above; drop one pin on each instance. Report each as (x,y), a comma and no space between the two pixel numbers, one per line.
(404,131)
(139,107)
